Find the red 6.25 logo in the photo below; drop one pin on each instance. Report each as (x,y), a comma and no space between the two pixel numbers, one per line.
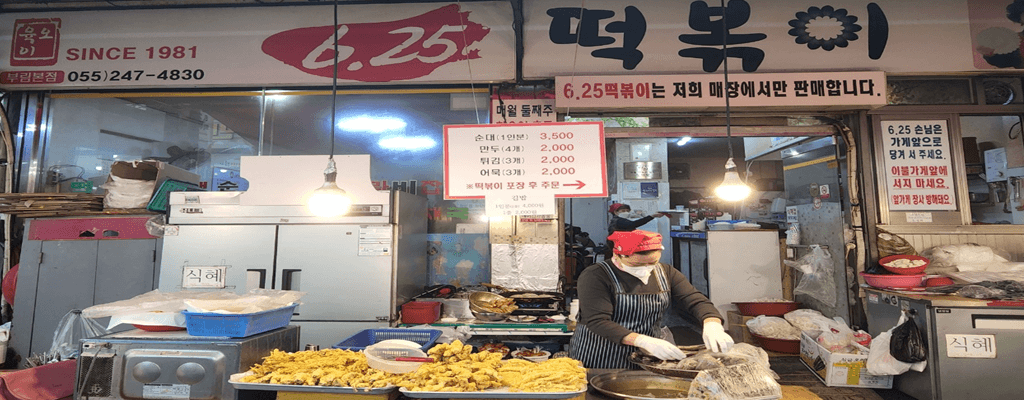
(381,51)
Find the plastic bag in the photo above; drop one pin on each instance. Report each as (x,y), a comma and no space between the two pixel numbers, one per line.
(965,257)
(907,344)
(773,327)
(818,275)
(70,330)
(156,224)
(127,193)
(880,361)
(981,292)
(807,319)
(890,244)
(837,337)
(157,301)
(736,382)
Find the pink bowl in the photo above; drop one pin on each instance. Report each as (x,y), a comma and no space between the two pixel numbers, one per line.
(893,281)
(904,271)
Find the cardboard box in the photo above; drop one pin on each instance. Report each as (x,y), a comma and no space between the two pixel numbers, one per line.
(734,318)
(156,171)
(836,369)
(741,334)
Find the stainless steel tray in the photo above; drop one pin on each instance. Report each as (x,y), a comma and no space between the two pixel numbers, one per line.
(640,385)
(234,380)
(500,393)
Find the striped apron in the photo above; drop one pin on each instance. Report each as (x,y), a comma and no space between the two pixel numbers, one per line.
(640,313)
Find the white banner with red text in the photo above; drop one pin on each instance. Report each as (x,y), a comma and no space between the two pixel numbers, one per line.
(918,165)
(850,90)
(261,46)
(554,159)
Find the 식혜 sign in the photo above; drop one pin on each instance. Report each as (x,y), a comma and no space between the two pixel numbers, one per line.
(832,89)
(918,165)
(554,159)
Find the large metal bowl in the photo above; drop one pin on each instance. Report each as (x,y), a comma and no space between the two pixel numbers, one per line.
(640,385)
(489,316)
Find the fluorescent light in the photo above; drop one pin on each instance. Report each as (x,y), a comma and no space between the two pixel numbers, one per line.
(407,143)
(365,123)
(99,168)
(223,171)
(684,140)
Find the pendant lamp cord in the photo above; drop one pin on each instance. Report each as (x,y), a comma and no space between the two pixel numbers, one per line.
(725,70)
(575,52)
(469,65)
(334,84)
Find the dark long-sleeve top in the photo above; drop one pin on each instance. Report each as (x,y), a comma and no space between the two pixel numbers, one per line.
(625,224)
(597,298)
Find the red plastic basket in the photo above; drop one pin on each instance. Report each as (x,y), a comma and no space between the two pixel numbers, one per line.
(789,346)
(421,312)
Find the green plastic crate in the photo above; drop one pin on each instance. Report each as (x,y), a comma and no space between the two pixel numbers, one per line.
(162,197)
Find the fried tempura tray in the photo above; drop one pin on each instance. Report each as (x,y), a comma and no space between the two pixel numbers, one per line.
(499,393)
(236,382)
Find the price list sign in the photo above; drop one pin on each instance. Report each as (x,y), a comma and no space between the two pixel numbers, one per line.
(548,159)
(918,164)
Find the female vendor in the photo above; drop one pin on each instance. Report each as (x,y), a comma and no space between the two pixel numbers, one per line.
(623,300)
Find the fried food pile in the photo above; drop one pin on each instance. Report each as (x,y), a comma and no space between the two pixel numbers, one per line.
(458,369)
(331,367)
(500,306)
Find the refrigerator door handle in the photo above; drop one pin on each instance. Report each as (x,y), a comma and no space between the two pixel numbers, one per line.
(286,278)
(263,277)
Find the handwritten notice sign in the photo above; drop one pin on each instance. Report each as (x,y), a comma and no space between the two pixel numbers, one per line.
(203,277)
(508,203)
(556,159)
(917,165)
(970,346)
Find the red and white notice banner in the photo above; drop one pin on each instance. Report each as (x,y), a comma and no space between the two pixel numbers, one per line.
(378,43)
(833,89)
(555,159)
(918,165)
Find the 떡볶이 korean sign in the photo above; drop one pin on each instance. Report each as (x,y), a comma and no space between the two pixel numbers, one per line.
(554,159)
(830,89)
(265,46)
(918,165)
(612,37)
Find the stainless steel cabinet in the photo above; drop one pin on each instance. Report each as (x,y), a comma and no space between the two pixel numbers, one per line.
(74,263)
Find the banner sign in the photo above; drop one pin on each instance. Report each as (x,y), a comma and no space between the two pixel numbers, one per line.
(672,36)
(560,159)
(522,111)
(850,89)
(258,46)
(918,165)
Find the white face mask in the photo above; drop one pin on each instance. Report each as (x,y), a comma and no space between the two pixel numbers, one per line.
(643,272)
(623,214)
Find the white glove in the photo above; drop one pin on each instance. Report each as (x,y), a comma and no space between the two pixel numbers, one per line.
(715,338)
(659,348)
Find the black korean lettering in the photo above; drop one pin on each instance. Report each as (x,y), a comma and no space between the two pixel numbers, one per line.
(633,29)
(737,13)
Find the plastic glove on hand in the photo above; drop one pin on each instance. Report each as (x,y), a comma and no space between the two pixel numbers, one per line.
(659,348)
(715,338)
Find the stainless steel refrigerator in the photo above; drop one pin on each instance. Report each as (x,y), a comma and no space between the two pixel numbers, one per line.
(356,269)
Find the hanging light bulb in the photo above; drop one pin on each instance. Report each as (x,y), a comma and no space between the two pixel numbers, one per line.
(732,187)
(330,200)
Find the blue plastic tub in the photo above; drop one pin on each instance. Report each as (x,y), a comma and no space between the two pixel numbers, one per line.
(237,325)
(369,337)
